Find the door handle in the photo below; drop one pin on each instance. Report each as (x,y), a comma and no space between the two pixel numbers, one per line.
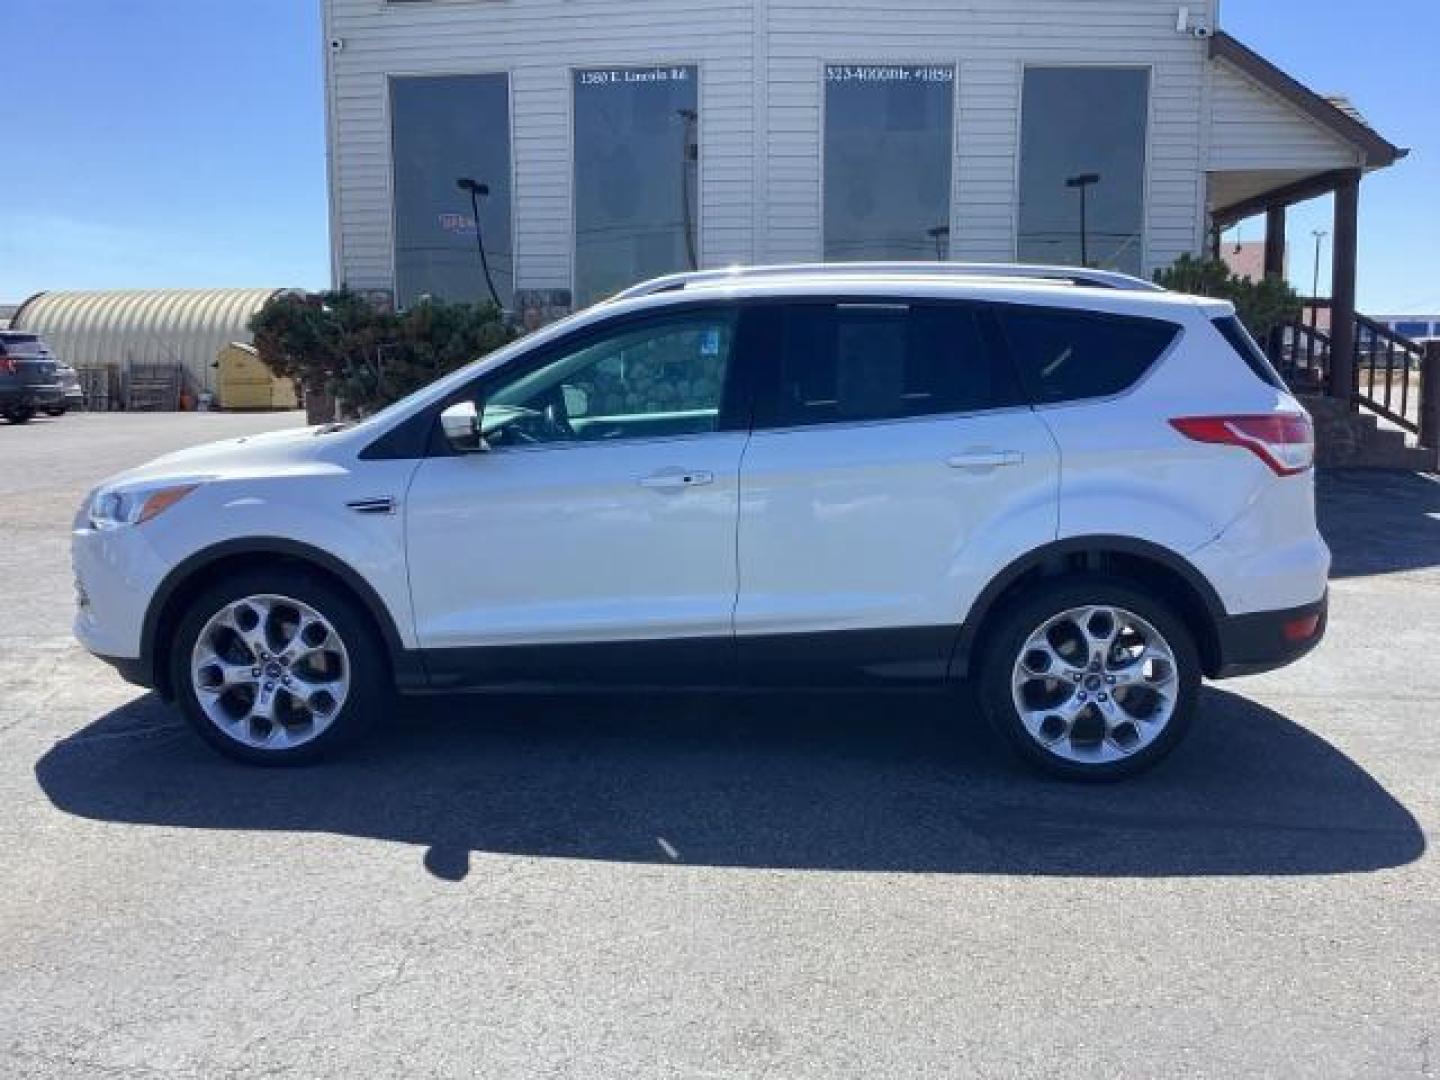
(672,479)
(985,459)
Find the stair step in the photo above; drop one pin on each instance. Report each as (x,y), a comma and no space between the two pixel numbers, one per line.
(1385,439)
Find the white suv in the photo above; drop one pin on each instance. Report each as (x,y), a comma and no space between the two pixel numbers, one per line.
(1070,488)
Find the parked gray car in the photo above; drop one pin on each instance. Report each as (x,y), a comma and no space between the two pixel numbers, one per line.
(72,395)
(29,377)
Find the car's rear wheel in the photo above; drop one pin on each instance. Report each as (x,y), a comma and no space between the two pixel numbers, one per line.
(277,667)
(19,416)
(55,412)
(1090,678)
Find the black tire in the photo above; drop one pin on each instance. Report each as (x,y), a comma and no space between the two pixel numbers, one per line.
(370,687)
(1012,628)
(55,412)
(19,416)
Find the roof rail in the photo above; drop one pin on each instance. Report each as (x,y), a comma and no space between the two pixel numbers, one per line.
(1100,279)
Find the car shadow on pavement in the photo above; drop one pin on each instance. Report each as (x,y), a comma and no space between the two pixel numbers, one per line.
(861,783)
(1378,521)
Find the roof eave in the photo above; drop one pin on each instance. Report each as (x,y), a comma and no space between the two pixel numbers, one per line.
(1378,151)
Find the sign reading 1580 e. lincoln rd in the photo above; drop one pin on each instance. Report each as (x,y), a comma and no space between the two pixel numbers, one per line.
(631,76)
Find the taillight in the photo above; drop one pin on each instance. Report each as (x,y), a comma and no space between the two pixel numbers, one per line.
(7,366)
(1283,441)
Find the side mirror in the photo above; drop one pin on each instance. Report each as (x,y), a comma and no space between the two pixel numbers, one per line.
(460,424)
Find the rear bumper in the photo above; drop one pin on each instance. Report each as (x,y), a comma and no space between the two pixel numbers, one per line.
(1266,640)
(30,397)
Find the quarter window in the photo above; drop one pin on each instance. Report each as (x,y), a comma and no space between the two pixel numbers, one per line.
(852,362)
(446,128)
(637,159)
(888,148)
(1082,167)
(665,377)
(1068,355)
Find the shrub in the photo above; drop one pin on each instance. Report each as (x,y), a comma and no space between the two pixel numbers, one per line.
(1262,305)
(339,346)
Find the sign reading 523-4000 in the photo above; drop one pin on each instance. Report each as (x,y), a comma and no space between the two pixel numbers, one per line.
(888,73)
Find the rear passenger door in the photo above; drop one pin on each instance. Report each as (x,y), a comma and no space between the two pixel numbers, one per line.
(893,469)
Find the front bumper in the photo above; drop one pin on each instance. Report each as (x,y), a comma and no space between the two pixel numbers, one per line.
(134,671)
(116,573)
(1266,640)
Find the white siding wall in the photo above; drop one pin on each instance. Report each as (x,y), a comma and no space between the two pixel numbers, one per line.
(1252,128)
(760,139)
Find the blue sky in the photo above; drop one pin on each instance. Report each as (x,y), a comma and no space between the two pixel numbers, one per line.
(156,142)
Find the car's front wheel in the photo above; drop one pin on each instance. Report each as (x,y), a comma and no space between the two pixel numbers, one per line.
(277,667)
(1090,678)
(55,411)
(19,416)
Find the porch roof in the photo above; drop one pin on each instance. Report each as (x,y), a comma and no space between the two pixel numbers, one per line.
(1275,141)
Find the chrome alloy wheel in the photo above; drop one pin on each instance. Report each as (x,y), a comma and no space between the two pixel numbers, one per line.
(1095,684)
(270,672)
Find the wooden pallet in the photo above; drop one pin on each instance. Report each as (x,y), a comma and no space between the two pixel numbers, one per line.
(153,387)
(101,387)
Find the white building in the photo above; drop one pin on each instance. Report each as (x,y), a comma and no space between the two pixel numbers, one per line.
(617,141)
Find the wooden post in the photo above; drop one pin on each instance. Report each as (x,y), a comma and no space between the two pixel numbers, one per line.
(1430,397)
(1275,268)
(1342,287)
(1275,242)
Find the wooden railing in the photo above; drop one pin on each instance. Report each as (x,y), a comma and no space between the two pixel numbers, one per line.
(1393,379)
(1388,369)
(1301,353)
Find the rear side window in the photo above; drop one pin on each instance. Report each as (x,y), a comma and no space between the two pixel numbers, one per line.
(1072,355)
(21,344)
(1234,332)
(841,363)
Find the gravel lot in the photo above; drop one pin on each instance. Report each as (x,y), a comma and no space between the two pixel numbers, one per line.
(802,887)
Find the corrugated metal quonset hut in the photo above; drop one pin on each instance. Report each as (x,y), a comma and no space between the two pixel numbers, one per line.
(144,326)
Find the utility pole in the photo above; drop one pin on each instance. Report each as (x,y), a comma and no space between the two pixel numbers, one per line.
(1319,235)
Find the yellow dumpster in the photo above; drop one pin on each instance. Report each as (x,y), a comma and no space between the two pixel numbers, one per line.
(246,383)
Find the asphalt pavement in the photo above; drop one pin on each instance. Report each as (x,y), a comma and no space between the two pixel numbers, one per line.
(825,886)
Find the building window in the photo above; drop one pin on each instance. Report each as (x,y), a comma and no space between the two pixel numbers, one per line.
(1082,167)
(888,149)
(443,129)
(637,157)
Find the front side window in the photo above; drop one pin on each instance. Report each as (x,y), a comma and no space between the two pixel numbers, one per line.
(842,363)
(637,155)
(1082,167)
(443,129)
(663,377)
(888,148)
(1071,355)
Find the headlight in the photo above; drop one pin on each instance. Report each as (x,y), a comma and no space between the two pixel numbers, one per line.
(113,507)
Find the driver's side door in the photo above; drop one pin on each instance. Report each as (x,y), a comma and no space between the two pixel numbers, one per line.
(593,539)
